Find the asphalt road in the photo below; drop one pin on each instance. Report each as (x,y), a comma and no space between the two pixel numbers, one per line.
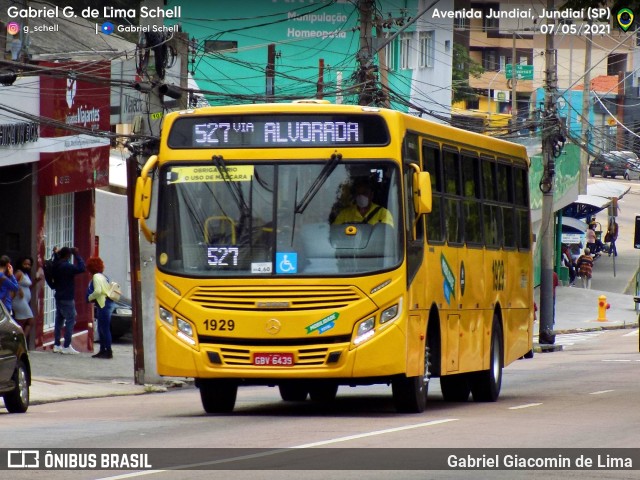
(584,397)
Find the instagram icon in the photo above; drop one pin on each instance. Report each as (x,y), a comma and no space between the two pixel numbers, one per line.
(13,28)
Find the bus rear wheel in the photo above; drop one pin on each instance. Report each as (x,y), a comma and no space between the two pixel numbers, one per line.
(410,393)
(486,384)
(455,388)
(218,396)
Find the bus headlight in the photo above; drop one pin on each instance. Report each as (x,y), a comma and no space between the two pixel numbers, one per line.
(390,313)
(365,330)
(165,315)
(185,331)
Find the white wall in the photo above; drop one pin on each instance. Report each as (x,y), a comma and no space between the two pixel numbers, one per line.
(112,229)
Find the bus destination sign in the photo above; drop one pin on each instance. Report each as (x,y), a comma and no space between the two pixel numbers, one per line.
(277,131)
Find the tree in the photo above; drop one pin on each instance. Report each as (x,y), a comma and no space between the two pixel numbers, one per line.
(463,67)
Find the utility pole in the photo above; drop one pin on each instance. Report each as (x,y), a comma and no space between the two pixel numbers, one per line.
(142,253)
(586,94)
(366,74)
(514,84)
(320,86)
(271,72)
(550,132)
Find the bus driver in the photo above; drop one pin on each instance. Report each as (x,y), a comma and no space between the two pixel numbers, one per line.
(364,210)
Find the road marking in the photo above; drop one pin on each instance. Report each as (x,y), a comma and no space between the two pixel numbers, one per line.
(377,432)
(621,360)
(632,334)
(283,450)
(527,405)
(601,392)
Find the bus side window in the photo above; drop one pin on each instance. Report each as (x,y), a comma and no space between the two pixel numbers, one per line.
(433,165)
(471,203)
(453,214)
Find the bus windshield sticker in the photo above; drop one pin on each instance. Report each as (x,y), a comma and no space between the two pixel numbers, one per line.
(449,280)
(237,173)
(261,267)
(287,262)
(321,326)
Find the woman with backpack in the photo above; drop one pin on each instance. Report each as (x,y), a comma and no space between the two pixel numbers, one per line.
(98,292)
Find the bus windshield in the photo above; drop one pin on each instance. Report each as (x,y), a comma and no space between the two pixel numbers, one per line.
(276,219)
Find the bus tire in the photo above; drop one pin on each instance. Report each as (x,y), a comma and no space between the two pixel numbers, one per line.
(410,393)
(218,396)
(324,393)
(486,384)
(293,392)
(455,388)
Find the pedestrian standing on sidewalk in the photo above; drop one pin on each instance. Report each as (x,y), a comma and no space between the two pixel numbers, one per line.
(22,301)
(611,237)
(104,306)
(585,268)
(8,283)
(64,273)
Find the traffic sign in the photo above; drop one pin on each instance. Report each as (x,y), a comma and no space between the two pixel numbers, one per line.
(523,72)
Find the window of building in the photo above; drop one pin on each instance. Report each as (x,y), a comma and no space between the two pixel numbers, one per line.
(406,51)
(390,55)
(427,49)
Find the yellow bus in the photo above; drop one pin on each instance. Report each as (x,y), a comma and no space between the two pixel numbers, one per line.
(259,282)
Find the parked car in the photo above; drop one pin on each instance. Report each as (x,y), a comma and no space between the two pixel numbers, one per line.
(633,172)
(121,321)
(15,367)
(607,165)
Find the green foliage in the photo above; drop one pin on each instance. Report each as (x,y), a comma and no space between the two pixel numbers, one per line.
(463,67)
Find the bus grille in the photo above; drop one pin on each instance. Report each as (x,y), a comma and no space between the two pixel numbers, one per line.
(274,298)
(304,357)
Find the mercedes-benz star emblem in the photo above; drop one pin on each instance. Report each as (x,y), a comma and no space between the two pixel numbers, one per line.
(273,326)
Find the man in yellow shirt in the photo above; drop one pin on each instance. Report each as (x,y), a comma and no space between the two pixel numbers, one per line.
(364,210)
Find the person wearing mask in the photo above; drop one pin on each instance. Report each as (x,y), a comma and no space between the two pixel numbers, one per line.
(64,273)
(8,283)
(363,209)
(22,301)
(97,292)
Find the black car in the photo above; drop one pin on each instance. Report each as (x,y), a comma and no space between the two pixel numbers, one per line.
(15,367)
(121,321)
(607,165)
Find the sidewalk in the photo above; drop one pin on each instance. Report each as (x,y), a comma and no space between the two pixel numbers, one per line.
(57,377)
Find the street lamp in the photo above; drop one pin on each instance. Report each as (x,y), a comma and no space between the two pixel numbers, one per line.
(489,91)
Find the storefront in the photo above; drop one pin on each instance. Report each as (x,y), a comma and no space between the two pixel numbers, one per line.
(50,199)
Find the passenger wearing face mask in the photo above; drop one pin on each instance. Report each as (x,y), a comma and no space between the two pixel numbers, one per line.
(364,210)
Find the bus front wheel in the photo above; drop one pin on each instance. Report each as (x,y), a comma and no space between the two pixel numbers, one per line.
(486,384)
(324,392)
(410,393)
(293,392)
(218,396)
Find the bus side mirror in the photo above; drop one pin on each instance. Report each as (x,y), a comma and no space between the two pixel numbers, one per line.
(422,192)
(142,195)
(142,198)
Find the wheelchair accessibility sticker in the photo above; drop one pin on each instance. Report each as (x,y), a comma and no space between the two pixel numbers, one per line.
(287,262)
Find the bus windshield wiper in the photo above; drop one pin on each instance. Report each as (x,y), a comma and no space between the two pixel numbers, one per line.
(328,168)
(234,188)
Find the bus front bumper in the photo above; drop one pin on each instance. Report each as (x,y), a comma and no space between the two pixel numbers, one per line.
(384,355)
